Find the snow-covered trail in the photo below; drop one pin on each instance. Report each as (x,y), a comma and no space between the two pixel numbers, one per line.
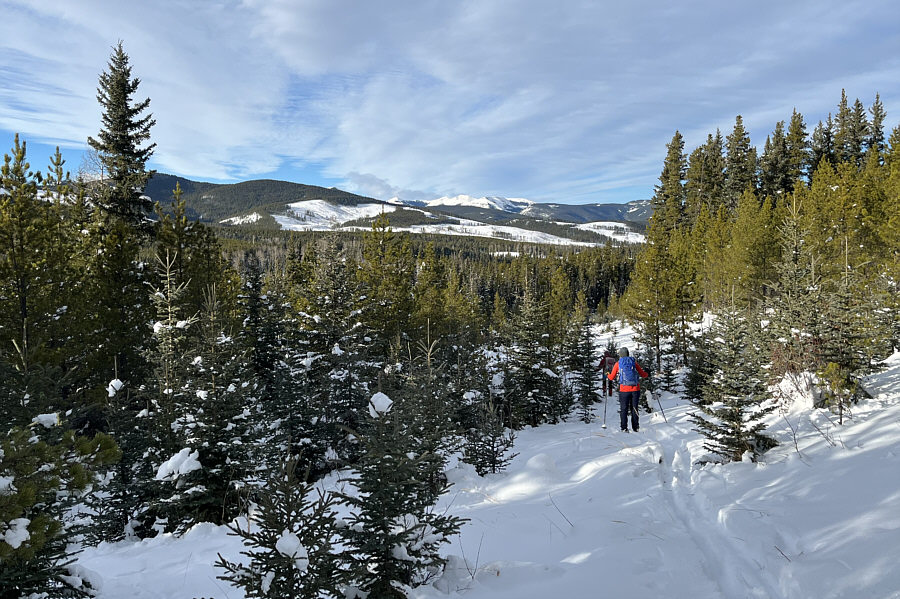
(587,510)
(584,511)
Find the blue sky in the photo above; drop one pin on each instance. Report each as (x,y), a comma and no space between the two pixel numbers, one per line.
(551,101)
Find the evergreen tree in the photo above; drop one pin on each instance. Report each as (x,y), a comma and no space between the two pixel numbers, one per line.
(669,194)
(850,131)
(734,400)
(386,272)
(846,318)
(291,539)
(775,176)
(796,298)
(489,441)
(142,422)
(119,143)
(394,534)
(331,369)
(39,481)
(31,275)
(740,164)
(822,146)
(211,421)
(579,359)
(705,178)
(797,146)
(533,388)
(875,134)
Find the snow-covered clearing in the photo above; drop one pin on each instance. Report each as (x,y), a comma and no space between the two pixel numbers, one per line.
(614,230)
(319,215)
(247,219)
(585,511)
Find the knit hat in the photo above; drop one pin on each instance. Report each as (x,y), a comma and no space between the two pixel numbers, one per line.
(623,352)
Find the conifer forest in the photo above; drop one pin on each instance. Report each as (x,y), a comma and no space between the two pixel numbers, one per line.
(157,372)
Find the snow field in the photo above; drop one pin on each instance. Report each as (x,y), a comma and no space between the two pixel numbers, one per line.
(589,512)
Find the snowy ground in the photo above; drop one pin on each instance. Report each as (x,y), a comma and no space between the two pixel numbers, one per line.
(585,511)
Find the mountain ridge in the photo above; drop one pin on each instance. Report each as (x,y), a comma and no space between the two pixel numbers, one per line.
(271,203)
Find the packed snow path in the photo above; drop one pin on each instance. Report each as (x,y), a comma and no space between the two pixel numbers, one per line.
(584,511)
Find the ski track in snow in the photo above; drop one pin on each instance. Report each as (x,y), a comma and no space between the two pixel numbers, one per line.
(736,574)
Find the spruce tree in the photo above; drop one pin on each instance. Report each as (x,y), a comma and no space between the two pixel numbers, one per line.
(875,141)
(212,421)
(705,179)
(775,176)
(533,388)
(394,534)
(292,540)
(740,164)
(822,146)
(580,361)
(734,399)
(488,441)
(330,365)
(797,146)
(119,143)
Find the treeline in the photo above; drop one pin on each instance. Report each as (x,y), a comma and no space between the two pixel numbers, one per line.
(795,250)
(153,376)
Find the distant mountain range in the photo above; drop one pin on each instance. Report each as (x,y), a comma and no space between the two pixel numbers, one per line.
(267,203)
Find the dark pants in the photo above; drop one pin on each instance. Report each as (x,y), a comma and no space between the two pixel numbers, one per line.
(628,402)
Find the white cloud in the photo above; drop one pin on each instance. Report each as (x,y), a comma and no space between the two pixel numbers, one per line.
(547,100)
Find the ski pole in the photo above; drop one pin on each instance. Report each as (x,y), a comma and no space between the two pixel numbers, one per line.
(659,403)
(605,402)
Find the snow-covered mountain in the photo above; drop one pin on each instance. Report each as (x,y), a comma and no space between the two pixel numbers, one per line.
(266,204)
(513,205)
(322,215)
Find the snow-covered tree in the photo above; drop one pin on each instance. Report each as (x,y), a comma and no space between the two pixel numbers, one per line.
(394,533)
(735,398)
(211,422)
(291,539)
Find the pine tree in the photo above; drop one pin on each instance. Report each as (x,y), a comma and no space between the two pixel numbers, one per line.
(394,533)
(734,399)
(488,442)
(822,146)
(292,542)
(533,388)
(211,421)
(118,145)
(705,179)
(797,146)
(740,164)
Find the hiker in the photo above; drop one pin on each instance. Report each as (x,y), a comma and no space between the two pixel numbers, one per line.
(629,373)
(607,362)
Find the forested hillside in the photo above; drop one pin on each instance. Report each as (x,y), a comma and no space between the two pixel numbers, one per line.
(157,373)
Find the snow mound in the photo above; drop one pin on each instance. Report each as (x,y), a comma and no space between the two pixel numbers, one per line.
(181,463)
(379,405)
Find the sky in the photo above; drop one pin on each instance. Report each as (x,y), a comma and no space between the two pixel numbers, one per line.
(570,102)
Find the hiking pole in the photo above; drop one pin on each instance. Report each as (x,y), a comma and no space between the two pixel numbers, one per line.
(605,402)
(654,395)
